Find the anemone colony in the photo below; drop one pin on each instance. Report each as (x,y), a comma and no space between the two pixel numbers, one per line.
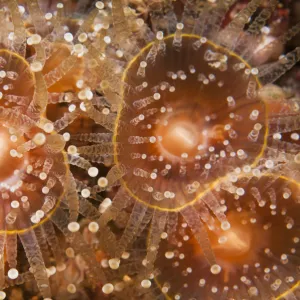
(147,151)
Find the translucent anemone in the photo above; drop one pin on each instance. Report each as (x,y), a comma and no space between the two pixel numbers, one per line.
(181,125)
(193,107)
(38,65)
(34,169)
(256,256)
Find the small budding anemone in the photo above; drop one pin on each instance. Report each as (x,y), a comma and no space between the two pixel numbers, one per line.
(257,255)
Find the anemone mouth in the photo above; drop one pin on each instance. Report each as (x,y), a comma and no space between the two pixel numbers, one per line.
(255,255)
(178,138)
(189,115)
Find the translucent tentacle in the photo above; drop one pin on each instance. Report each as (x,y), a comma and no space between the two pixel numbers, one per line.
(54,98)
(113,98)
(284,124)
(53,242)
(262,18)
(81,185)
(289,34)
(35,258)
(100,159)
(54,143)
(283,39)
(5,31)
(123,35)
(15,119)
(88,22)
(65,121)
(87,209)
(106,69)
(78,161)
(212,202)
(163,17)
(72,198)
(216,18)
(94,273)
(170,16)
(147,218)
(58,23)
(99,149)
(131,229)
(121,27)
(40,56)
(157,227)
(19,100)
(2,243)
(37,16)
(115,173)
(26,147)
(231,33)
(19,41)
(192,218)
(253,32)
(278,69)
(120,201)
(93,137)
(107,121)
(49,204)
(11,250)
(56,74)
(40,235)
(40,97)
(172,225)
(279,155)
(189,15)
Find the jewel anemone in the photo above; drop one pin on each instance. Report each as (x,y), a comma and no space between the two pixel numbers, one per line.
(192,106)
(256,256)
(41,64)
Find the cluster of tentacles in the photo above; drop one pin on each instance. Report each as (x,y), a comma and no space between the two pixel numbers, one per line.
(147,151)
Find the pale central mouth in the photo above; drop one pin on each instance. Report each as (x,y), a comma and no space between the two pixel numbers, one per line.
(179,138)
